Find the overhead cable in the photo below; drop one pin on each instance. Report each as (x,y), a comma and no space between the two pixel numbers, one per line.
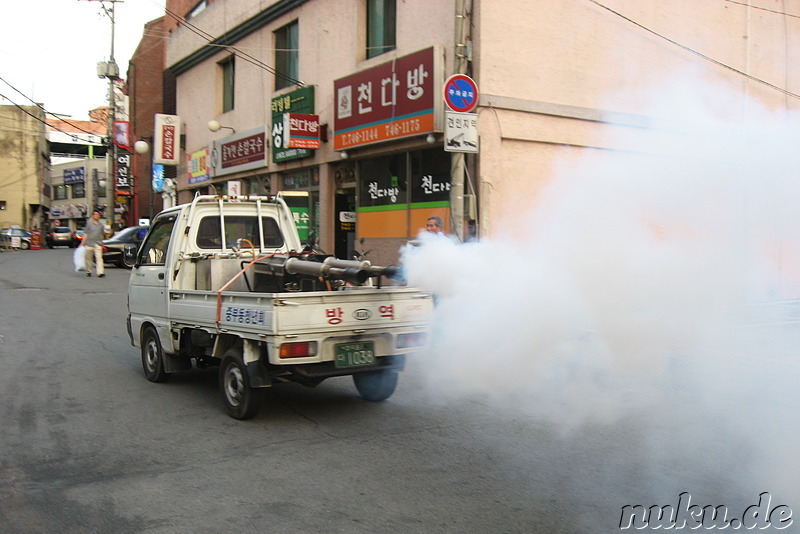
(239,52)
(699,54)
(44,110)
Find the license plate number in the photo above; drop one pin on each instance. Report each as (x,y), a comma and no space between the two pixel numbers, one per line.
(355,354)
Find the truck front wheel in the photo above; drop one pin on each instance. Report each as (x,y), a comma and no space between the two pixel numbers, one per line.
(375,386)
(241,400)
(153,356)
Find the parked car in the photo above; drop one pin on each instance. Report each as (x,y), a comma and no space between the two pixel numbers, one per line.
(59,236)
(120,249)
(77,237)
(24,237)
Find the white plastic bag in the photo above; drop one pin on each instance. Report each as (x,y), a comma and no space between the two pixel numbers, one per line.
(79,257)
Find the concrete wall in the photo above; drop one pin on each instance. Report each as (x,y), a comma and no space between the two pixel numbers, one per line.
(22,165)
(560,80)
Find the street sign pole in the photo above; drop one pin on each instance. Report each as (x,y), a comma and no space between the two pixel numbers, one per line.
(460,95)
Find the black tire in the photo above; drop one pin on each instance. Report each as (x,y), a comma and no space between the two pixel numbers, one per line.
(376,386)
(241,400)
(25,245)
(153,356)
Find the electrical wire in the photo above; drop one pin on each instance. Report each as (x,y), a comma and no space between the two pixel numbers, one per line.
(21,108)
(695,52)
(237,51)
(44,110)
(764,9)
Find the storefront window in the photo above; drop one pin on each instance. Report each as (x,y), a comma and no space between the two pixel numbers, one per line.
(258,186)
(398,193)
(383,182)
(300,190)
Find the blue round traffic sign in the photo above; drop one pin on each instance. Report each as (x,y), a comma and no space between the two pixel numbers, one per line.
(461,93)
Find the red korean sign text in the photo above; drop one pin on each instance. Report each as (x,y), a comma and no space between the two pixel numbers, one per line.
(392,100)
(301,130)
(243,151)
(167,136)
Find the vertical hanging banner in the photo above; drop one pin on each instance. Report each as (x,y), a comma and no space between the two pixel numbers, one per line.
(122,174)
(167,139)
(122,134)
(158,178)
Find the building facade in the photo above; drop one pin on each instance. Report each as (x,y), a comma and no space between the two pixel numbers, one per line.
(24,190)
(146,96)
(556,81)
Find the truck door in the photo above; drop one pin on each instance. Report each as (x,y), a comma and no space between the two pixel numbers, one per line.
(149,282)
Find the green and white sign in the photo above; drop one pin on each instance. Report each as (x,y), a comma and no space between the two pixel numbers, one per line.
(298,101)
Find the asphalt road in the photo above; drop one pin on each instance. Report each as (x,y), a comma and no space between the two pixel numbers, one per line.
(89,445)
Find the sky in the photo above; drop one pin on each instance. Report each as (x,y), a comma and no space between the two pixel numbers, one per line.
(49,50)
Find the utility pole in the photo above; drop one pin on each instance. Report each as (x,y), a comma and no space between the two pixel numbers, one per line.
(110,70)
(457,158)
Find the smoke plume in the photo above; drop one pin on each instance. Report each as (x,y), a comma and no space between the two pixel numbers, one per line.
(661,279)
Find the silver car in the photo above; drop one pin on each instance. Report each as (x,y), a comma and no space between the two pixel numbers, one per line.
(6,235)
(60,236)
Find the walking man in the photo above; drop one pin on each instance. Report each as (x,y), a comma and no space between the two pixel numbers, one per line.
(92,239)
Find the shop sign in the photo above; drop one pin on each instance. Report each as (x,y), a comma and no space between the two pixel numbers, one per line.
(300,130)
(239,152)
(300,101)
(158,178)
(396,99)
(167,137)
(122,175)
(347,221)
(430,188)
(297,201)
(461,132)
(74,176)
(384,183)
(122,135)
(197,166)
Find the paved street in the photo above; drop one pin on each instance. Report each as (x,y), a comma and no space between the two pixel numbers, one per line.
(89,445)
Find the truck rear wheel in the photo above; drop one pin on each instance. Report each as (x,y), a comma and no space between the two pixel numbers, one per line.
(376,386)
(153,356)
(241,400)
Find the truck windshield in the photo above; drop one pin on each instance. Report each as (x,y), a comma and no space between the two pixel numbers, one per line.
(237,228)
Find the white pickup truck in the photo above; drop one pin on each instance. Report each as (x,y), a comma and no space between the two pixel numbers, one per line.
(225,281)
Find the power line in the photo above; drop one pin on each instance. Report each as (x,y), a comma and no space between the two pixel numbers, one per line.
(239,53)
(764,9)
(695,52)
(44,110)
